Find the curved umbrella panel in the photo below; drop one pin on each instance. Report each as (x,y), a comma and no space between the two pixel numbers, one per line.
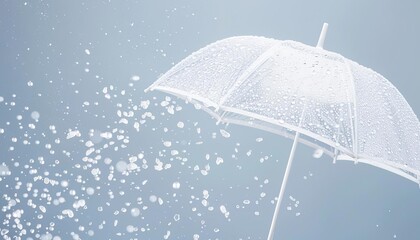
(306,91)
(387,128)
(212,70)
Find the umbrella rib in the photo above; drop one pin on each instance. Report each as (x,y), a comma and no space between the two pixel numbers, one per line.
(356,140)
(350,107)
(251,69)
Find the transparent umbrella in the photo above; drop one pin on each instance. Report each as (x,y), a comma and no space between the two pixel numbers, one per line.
(315,96)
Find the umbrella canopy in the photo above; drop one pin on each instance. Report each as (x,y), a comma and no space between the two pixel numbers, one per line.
(325,100)
(283,86)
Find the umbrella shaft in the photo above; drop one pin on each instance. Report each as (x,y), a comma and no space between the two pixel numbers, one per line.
(283,187)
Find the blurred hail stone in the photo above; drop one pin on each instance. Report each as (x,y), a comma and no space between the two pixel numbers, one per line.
(4,170)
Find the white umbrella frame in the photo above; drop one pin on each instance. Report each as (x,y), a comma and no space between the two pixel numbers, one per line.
(221,112)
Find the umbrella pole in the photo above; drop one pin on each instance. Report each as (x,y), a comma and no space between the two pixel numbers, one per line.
(283,187)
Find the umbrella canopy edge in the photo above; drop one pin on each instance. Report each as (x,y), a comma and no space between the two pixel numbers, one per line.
(401,170)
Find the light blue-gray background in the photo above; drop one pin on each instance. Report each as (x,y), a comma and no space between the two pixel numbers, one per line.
(44,42)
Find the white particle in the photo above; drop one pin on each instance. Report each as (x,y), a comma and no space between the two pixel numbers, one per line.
(90,191)
(89,144)
(135,212)
(90,151)
(137,126)
(12,203)
(135,78)
(153,198)
(176,185)
(4,170)
(42,208)
(72,134)
(130,228)
(145,104)
(107,161)
(223,209)
(166,236)
(79,204)
(68,212)
(224,133)
(159,165)
(30,83)
(106,135)
(123,120)
(170,110)
(180,125)
(206,194)
(87,51)
(64,183)
(121,166)
(249,153)
(318,153)
(164,103)
(132,166)
(35,115)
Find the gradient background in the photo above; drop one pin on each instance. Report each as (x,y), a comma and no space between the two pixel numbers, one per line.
(44,42)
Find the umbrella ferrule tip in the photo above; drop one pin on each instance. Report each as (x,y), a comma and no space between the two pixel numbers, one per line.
(322,36)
